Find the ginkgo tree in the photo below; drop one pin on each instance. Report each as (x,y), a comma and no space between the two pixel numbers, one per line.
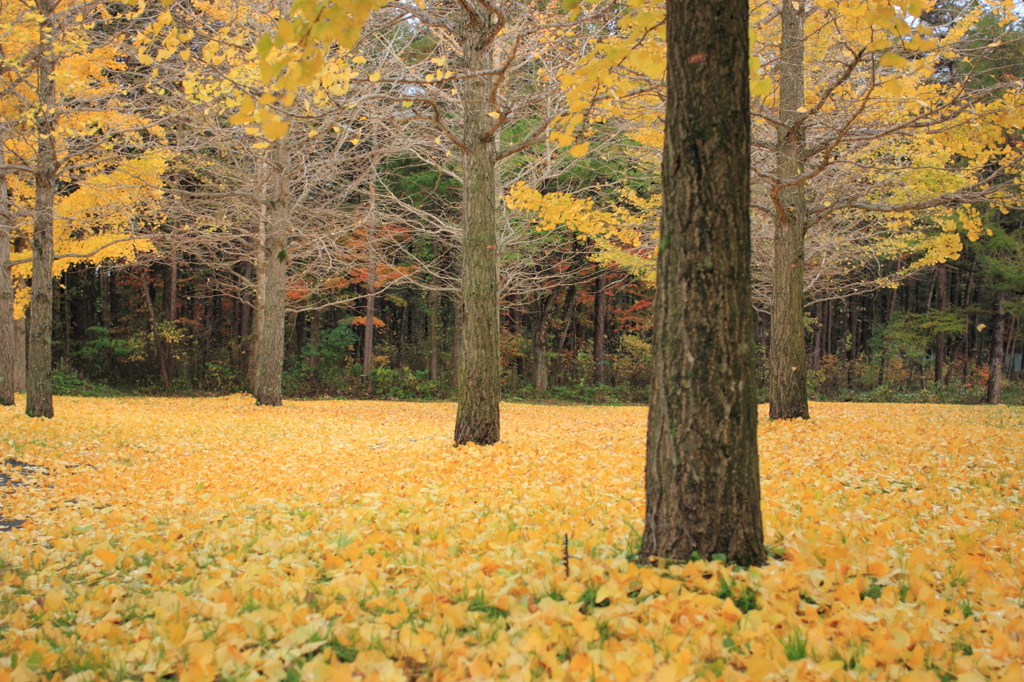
(78,163)
(274,182)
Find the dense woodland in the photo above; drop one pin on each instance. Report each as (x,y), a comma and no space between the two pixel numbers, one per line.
(190,211)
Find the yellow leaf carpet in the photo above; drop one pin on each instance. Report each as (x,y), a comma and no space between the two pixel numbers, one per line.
(203,539)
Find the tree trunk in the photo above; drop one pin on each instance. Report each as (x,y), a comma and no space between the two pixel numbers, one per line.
(8,343)
(154,329)
(940,338)
(540,342)
(458,315)
(702,479)
(172,294)
(996,355)
(432,333)
(270,285)
(38,379)
(600,314)
(371,292)
(479,419)
(314,341)
(788,375)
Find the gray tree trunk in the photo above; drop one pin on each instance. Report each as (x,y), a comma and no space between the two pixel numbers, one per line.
(8,342)
(940,338)
(478,419)
(702,479)
(600,314)
(270,285)
(997,351)
(540,342)
(788,375)
(38,378)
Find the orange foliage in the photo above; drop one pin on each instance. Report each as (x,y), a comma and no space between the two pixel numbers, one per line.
(346,540)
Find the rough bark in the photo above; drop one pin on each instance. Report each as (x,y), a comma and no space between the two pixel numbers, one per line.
(702,479)
(270,286)
(788,374)
(600,314)
(997,357)
(8,342)
(38,379)
(478,418)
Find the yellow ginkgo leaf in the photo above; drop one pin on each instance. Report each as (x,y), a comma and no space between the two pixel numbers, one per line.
(579,149)
(275,130)
(375,76)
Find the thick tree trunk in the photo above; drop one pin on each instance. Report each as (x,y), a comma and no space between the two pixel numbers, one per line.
(8,342)
(270,286)
(600,315)
(997,356)
(702,479)
(478,419)
(940,338)
(38,380)
(788,376)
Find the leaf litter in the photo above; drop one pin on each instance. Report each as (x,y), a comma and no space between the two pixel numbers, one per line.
(330,541)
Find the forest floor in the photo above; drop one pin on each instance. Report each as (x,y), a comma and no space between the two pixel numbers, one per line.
(340,540)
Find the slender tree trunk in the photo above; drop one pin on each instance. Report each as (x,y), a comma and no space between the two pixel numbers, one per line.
(702,479)
(940,338)
(996,355)
(154,329)
(432,333)
(600,315)
(271,286)
(371,292)
(788,376)
(172,294)
(300,335)
(479,419)
(38,379)
(458,315)
(8,343)
(314,341)
(540,342)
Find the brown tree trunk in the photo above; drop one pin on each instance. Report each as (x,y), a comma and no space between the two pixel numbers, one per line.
(479,418)
(702,479)
(270,285)
(788,377)
(940,338)
(8,342)
(38,379)
(154,329)
(600,315)
(997,356)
